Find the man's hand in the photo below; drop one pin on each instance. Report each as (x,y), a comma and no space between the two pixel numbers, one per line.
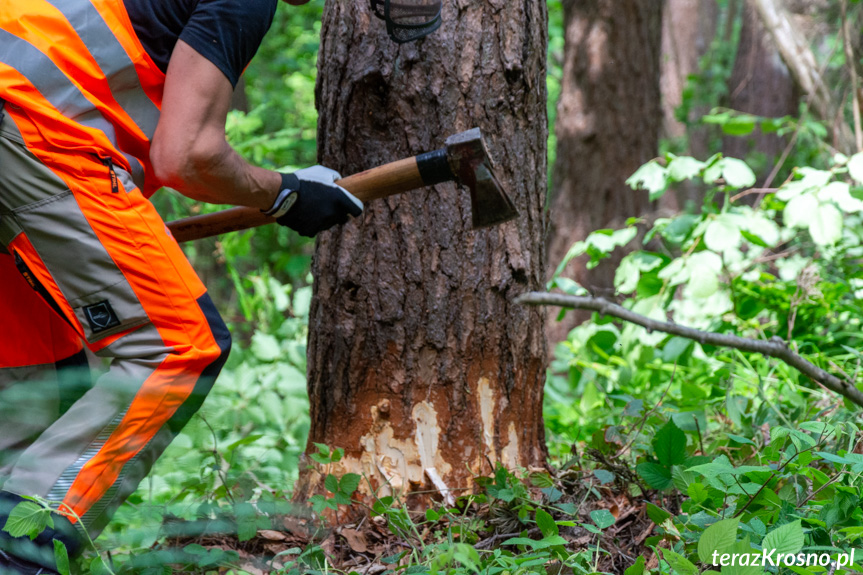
(319,204)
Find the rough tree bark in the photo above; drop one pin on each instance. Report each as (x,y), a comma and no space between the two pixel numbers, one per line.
(608,124)
(418,356)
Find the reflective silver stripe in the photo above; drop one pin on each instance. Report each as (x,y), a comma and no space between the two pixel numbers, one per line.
(112,58)
(147,346)
(67,478)
(137,175)
(52,83)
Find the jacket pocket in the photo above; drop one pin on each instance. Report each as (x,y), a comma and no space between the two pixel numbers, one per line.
(88,277)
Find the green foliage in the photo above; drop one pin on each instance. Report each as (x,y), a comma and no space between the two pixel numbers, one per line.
(759,457)
(29,519)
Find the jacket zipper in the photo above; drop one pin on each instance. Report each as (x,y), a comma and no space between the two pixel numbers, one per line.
(115,186)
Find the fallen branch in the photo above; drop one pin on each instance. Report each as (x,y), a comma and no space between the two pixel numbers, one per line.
(775,347)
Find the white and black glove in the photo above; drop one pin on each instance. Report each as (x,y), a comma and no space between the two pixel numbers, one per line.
(309,202)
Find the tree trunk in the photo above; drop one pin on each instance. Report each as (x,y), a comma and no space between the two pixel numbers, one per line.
(418,357)
(608,124)
(688,27)
(760,84)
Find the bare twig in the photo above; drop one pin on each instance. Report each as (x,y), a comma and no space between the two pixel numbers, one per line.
(833,480)
(486,543)
(647,414)
(775,347)
(752,192)
(781,161)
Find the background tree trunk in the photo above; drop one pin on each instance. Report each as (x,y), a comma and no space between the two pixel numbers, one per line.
(418,357)
(688,27)
(608,124)
(688,30)
(760,84)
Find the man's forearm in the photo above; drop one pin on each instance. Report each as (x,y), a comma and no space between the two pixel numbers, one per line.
(221,176)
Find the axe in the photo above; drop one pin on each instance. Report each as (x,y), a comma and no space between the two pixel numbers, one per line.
(464,160)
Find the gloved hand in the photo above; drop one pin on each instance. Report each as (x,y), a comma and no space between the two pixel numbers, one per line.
(318,204)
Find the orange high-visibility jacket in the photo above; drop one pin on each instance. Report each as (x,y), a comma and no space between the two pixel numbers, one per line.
(84,81)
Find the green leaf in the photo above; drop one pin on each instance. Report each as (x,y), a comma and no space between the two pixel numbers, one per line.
(98,567)
(603,518)
(393,559)
(740,549)
(657,514)
(546,523)
(740,439)
(799,210)
(349,483)
(681,479)
(840,194)
(722,234)
(627,275)
(787,539)
(247,521)
(61,556)
(636,568)
(28,518)
(739,125)
(302,301)
(533,544)
(853,459)
(683,168)
(697,492)
(265,347)
(319,503)
(467,556)
(505,495)
(651,177)
(718,537)
(678,563)
(825,225)
(195,549)
(704,268)
(656,476)
(736,173)
(331,483)
(669,444)
(603,476)
(855,167)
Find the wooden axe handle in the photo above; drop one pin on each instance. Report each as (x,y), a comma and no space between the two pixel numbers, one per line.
(381,182)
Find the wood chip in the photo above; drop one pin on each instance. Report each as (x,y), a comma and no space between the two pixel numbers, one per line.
(439,484)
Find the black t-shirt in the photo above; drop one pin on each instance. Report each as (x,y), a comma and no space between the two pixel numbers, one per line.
(225,32)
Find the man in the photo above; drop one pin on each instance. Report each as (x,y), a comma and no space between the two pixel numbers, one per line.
(103,102)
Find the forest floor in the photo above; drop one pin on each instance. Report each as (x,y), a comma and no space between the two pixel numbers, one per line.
(373,545)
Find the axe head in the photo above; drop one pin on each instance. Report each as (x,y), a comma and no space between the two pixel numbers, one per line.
(472,166)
